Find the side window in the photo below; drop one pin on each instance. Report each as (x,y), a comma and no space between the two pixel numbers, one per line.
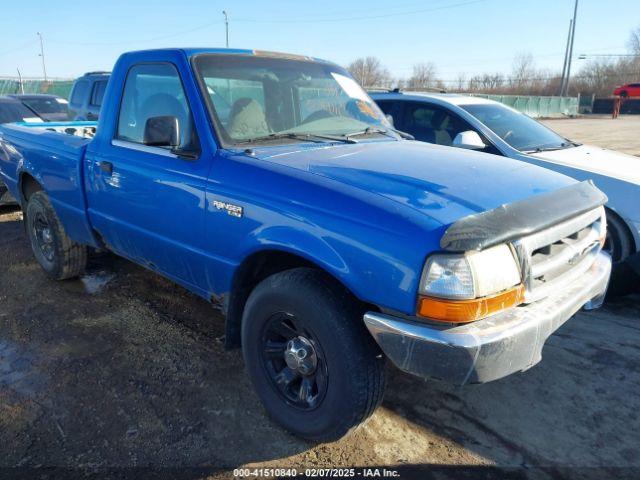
(154,90)
(80,90)
(98,93)
(433,124)
(390,108)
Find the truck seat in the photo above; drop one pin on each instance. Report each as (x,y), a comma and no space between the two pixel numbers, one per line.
(247,119)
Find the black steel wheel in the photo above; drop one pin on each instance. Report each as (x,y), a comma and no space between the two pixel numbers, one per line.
(314,365)
(57,254)
(43,235)
(294,361)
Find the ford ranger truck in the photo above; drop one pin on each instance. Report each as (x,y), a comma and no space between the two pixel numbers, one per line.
(273,187)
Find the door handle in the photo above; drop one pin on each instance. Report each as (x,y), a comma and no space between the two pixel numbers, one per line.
(106,167)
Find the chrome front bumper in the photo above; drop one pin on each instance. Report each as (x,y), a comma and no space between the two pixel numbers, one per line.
(491,348)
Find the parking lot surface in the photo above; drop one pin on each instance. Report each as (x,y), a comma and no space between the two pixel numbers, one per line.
(620,134)
(125,369)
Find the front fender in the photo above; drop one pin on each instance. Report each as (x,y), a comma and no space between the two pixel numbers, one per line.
(302,244)
(377,267)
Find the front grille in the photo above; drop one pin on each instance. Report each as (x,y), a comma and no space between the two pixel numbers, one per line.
(558,255)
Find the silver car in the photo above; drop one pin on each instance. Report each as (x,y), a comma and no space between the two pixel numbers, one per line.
(485,125)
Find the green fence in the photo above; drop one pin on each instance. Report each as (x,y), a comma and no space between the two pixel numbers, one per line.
(61,88)
(537,106)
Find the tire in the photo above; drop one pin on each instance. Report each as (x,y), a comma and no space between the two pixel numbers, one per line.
(59,256)
(303,305)
(624,94)
(619,243)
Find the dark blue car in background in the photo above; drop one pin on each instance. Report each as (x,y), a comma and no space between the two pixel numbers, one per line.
(86,96)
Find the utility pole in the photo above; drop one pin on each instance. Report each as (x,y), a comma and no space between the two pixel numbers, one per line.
(573,34)
(566,58)
(44,66)
(226,25)
(20,81)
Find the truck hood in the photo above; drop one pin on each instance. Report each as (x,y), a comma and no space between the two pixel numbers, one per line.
(442,182)
(597,160)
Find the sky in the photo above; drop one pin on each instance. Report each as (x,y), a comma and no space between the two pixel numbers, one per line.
(458,36)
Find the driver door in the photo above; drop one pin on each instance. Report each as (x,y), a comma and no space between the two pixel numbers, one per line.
(148,202)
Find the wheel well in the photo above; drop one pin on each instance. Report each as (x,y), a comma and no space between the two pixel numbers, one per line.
(627,230)
(250,273)
(28,186)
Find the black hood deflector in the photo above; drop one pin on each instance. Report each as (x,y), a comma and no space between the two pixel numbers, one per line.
(517,219)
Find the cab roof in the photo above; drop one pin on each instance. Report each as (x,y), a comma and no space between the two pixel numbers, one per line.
(190,52)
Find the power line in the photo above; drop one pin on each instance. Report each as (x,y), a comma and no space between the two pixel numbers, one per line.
(357,18)
(22,46)
(263,20)
(140,40)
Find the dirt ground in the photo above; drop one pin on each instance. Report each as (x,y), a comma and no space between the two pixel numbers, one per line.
(622,134)
(123,369)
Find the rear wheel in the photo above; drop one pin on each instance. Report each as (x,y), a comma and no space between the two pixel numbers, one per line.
(313,364)
(57,254)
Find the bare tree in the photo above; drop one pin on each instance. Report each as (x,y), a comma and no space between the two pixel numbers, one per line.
(423,76)
(634,41)
(522,72)
(460,84)
(487,82)
(370,72)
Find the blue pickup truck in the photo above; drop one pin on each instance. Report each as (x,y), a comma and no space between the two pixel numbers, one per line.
(272,186)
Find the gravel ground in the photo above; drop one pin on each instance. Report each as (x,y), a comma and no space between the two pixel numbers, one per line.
(621,134)
(124,369)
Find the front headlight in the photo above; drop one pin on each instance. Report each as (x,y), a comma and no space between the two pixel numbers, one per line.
(469,286)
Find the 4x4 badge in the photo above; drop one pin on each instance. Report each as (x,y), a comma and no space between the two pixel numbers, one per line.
(233,210)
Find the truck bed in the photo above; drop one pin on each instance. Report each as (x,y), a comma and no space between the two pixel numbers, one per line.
(78,129)
(53,153)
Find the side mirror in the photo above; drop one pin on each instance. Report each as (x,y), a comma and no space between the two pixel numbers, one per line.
(162,131)
(469,140)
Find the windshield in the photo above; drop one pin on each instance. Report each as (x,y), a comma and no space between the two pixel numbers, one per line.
(46,104)
(518,130)
(265,99)
(16,112)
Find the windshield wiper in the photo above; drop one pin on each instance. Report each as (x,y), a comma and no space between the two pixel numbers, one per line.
(405,135)
(383,131)
(311,137)
(562,146)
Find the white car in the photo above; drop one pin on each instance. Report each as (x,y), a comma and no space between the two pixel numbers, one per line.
(480,124)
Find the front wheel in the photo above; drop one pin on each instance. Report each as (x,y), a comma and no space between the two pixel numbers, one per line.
(314,365)
(619,243)
(57,254)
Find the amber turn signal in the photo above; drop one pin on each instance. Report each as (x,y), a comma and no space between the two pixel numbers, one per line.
(464,311)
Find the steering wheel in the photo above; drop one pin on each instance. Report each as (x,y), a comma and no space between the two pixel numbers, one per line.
(507,135)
